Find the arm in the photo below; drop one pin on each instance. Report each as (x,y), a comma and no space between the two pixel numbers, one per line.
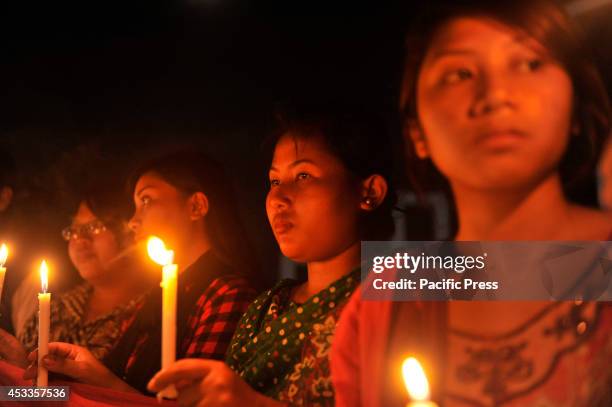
(210,383)
(11,350)
(79,364)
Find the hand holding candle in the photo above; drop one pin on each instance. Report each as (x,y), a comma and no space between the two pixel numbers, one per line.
(44,321)
(159,254)
(3,257)
(416,383)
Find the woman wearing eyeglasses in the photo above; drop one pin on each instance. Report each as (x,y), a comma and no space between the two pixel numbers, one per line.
(93,313)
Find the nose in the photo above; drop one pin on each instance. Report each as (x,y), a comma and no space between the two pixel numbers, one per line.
(278,197)
(492,94)
(81,240)
(134,222)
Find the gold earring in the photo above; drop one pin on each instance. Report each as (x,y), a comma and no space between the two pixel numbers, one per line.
(421,150)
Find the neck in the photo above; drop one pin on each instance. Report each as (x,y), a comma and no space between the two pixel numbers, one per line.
(322,273)
(504,214)
(119,289)
(192,251)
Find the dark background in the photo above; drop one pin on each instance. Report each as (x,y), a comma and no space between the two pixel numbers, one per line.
(125,80)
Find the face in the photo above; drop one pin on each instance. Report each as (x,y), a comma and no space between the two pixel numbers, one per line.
(313,203)
(92,253)
(494,108)
(161,210)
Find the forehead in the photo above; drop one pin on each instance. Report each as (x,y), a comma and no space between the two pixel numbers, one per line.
(477,34)
(292,147)
(83,214)
(150,180)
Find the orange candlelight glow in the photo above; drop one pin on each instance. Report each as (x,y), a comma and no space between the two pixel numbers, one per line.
(415,380)
(44,276)
(158,252)
(3,254)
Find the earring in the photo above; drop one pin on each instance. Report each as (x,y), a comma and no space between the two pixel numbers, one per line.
(421,150)
(368,201)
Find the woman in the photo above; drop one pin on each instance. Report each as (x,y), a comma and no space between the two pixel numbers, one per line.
(502,105)
(185,199)
(328,191)
(93,314)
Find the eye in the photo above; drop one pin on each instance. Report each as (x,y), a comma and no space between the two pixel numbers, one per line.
(530,64)
(274,182)
(456,76)
(302,176)
(145,200)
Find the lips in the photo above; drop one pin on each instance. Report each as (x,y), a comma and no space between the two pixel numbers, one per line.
(500,138)
(281,225)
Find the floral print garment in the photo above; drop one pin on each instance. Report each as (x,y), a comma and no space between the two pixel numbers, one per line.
(67,312)
(281,348)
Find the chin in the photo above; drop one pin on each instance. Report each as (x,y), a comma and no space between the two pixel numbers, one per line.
(293,253)
(89,273)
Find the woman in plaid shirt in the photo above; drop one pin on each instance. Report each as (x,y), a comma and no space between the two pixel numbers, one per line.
(185,199)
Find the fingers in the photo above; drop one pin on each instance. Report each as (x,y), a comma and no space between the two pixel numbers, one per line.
(31,372)
(63,350)
(60,359)
(184,370)
(190,395)
(58,349)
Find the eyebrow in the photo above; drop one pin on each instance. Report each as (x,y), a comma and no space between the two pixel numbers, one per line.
(295,163)
(144,188)
(451,52)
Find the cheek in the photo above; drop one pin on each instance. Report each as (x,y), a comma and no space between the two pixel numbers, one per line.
(548,104)
(269,211)
(106,247)
(72,250)
(443,119)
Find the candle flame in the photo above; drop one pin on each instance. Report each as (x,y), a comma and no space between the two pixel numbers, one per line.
(158,252)
(44,276)
(415,380)
(3,254)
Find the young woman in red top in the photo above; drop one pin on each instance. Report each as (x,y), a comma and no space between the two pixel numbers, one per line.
(502,107)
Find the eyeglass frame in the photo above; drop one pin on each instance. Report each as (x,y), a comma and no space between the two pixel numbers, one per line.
(85,231)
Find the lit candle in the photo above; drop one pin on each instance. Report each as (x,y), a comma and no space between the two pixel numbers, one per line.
(416,383)
(160,255)
(44,321)
(3,256)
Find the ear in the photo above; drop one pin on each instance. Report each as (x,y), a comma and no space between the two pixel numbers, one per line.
(413,133)
(198,206)
(6,196)
(373,192)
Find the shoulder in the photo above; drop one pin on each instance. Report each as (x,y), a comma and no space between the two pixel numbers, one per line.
(227,291)
(592,224)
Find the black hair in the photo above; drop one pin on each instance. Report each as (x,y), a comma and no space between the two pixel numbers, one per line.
(105,198)
(195,171)
(358,137)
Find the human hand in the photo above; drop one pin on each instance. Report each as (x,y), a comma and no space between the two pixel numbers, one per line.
(11,350)
(77,363)
(210,383)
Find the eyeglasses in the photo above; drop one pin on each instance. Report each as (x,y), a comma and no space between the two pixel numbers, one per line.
(84,231)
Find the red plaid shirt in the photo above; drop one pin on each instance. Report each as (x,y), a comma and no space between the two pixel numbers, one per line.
(213,322)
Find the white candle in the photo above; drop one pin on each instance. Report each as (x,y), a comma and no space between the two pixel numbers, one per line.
(159,254)
(416,384)
(3,256)
(44,322)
